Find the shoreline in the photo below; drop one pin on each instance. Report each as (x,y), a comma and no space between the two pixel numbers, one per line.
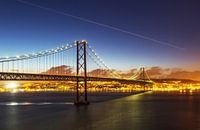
(61,97)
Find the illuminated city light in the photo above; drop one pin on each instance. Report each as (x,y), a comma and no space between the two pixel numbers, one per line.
(11,85)
(14,91)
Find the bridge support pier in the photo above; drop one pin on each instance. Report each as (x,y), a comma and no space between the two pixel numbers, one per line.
(81,86)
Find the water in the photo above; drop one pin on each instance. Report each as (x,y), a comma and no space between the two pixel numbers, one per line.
(147,111)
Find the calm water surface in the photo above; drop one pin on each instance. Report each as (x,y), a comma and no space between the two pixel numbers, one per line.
(147,111)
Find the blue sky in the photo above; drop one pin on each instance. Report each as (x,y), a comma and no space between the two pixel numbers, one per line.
(26,29)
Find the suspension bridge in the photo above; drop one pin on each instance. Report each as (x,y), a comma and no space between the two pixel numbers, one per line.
(66,63)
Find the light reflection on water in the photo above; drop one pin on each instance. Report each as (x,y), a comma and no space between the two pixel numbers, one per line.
(146,111)
(29,103)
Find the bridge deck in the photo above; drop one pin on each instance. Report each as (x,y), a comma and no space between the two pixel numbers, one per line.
(52,77)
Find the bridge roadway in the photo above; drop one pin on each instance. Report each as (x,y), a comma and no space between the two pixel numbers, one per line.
(6,76)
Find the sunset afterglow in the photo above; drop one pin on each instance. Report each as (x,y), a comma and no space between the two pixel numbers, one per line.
(99,65)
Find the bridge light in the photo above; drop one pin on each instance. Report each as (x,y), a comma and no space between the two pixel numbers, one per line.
(81,82)
(84,41)
(75,43)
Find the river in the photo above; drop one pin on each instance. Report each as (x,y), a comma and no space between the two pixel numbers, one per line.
(144,111)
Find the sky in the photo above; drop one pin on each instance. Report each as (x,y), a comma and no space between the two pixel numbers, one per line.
(125,33)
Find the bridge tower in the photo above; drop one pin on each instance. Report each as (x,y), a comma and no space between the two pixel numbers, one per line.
(81,72)
(143,74)
(142,77)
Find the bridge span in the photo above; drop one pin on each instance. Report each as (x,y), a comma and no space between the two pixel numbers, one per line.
(52,65)
(49,77)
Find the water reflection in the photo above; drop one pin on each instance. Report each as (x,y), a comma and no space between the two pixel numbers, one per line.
(29,103)
(147,111)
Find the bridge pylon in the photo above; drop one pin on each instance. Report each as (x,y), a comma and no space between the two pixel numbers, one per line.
(142,77)
(81,72)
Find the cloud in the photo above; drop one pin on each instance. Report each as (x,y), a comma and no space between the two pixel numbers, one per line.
(127,74)
(155,72)
(176,73)
(194,75)
(65,70)
(101,73)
